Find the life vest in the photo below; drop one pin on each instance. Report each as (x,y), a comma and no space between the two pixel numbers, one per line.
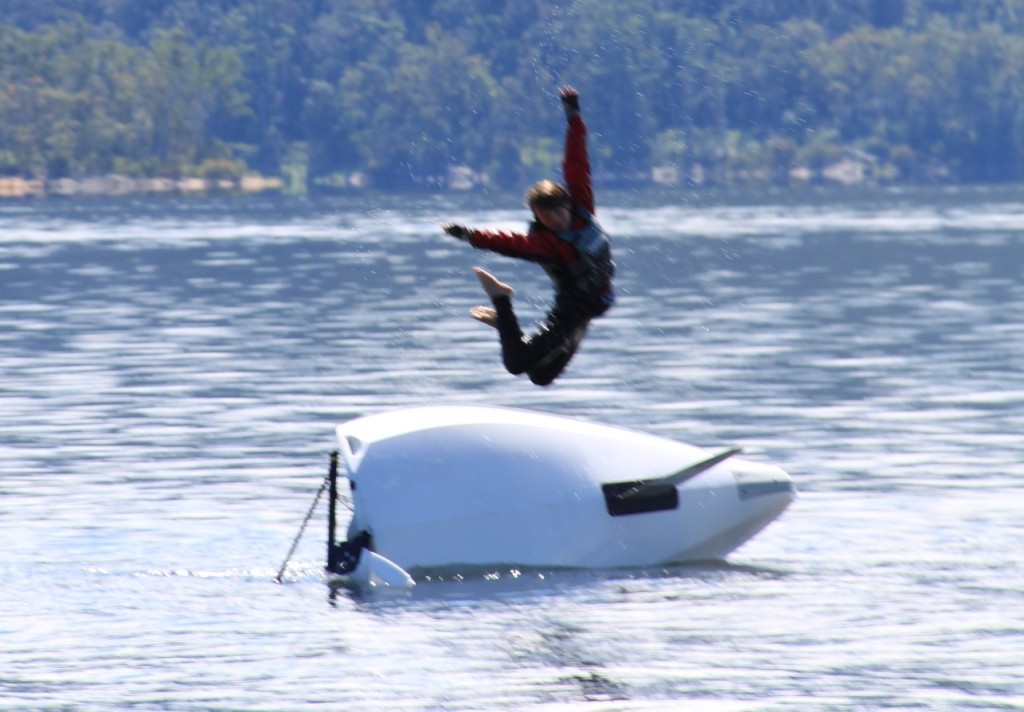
(593,268)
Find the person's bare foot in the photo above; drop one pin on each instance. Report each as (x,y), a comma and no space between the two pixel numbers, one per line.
(491,284)
(485,315)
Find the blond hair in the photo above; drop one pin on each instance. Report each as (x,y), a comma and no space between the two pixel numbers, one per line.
(547,194)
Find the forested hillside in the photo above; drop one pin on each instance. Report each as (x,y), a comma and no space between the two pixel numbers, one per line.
(400,91)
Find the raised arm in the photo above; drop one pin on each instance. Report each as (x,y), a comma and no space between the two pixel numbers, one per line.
(576,162)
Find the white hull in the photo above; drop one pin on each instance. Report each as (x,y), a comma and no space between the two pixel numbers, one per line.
(444,486)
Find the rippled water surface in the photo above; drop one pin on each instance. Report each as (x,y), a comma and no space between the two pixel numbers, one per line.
(172,372)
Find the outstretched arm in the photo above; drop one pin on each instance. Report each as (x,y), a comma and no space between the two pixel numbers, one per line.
(536,247)
(456,230)
(576,163)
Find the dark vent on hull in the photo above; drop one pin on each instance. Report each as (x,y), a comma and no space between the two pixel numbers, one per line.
(639,497)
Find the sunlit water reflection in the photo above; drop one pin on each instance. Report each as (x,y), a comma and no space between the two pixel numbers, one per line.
(172,372)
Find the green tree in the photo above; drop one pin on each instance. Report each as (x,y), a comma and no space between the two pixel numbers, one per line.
(424,114)
(619,65)
(184,91)
(405,88)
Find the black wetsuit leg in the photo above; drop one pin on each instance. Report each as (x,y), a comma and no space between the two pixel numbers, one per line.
(544,355)
(549,368)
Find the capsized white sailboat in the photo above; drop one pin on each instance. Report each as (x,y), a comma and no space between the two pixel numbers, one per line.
(437,487)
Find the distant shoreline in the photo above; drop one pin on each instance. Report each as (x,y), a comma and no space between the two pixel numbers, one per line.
(14,187)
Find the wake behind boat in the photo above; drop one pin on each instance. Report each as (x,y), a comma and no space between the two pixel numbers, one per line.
(437,487)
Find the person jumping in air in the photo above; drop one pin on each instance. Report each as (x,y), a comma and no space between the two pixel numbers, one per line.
(566,240)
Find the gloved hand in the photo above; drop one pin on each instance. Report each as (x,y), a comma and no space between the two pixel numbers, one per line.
(458,231)
(570,101)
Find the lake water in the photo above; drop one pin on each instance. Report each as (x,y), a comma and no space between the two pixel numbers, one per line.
(172,372)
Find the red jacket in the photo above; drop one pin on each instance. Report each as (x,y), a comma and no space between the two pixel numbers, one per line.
(540,244)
